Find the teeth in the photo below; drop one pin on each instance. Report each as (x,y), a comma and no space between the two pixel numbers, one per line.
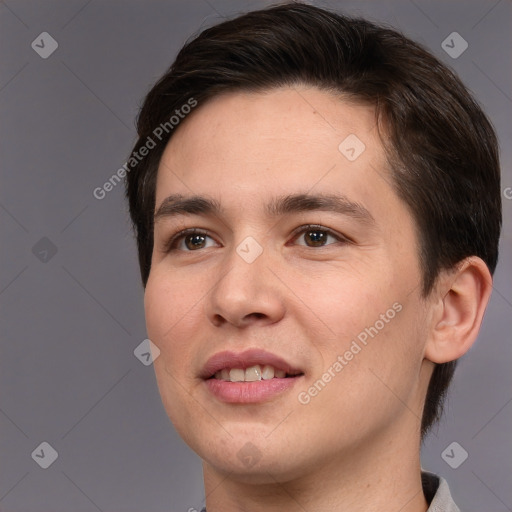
(251,374)
(236,375)
(267,373)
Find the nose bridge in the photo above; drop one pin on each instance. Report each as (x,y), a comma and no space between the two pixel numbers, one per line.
(245,265)
(246,286)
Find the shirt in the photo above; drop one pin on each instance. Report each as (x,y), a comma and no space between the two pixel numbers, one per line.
(436,491)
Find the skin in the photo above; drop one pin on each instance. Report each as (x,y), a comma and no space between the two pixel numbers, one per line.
(355,445)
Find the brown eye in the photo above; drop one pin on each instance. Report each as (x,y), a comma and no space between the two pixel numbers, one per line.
(317,236)
(188,240)
(194,241)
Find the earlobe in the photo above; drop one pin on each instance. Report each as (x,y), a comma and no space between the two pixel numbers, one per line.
(463,295)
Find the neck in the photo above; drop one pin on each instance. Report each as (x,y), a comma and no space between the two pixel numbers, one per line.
(384,476)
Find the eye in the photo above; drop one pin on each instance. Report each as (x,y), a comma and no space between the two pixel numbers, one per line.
(192,239)
(317,236)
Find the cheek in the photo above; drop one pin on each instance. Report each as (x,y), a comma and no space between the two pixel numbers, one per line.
(372,322)
(169,313)
(345,300)
(170,306)
(379,376)
(167,300)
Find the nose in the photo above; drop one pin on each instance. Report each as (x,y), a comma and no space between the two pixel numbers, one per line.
(246,292)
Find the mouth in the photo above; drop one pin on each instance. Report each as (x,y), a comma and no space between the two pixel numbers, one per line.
(248,377)
(249,366)
(253,374)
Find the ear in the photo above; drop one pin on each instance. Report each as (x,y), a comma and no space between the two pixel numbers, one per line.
(458,306)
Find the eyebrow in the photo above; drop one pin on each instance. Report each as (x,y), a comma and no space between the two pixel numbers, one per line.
(177,204)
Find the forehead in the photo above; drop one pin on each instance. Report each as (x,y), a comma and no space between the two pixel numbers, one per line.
(246,146)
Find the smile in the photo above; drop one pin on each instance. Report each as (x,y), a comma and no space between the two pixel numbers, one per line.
(251,376)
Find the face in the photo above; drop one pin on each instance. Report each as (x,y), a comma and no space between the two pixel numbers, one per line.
(306,271)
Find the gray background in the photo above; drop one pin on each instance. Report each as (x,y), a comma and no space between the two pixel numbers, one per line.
(71,320)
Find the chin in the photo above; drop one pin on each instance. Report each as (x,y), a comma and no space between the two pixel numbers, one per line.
(265,471)
(250,461)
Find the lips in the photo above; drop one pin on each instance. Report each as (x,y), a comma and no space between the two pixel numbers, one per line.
(247,359)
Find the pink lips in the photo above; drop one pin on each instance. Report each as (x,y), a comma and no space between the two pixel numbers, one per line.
(248,392)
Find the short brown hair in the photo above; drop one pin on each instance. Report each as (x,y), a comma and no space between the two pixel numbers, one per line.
(443,150)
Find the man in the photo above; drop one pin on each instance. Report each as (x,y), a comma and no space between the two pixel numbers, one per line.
(317,216)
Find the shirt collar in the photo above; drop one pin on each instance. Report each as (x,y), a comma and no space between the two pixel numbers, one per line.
(437,493)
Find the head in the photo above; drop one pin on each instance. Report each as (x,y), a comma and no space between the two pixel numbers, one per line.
(265,105)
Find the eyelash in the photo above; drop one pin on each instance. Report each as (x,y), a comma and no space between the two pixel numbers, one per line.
(170,245)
